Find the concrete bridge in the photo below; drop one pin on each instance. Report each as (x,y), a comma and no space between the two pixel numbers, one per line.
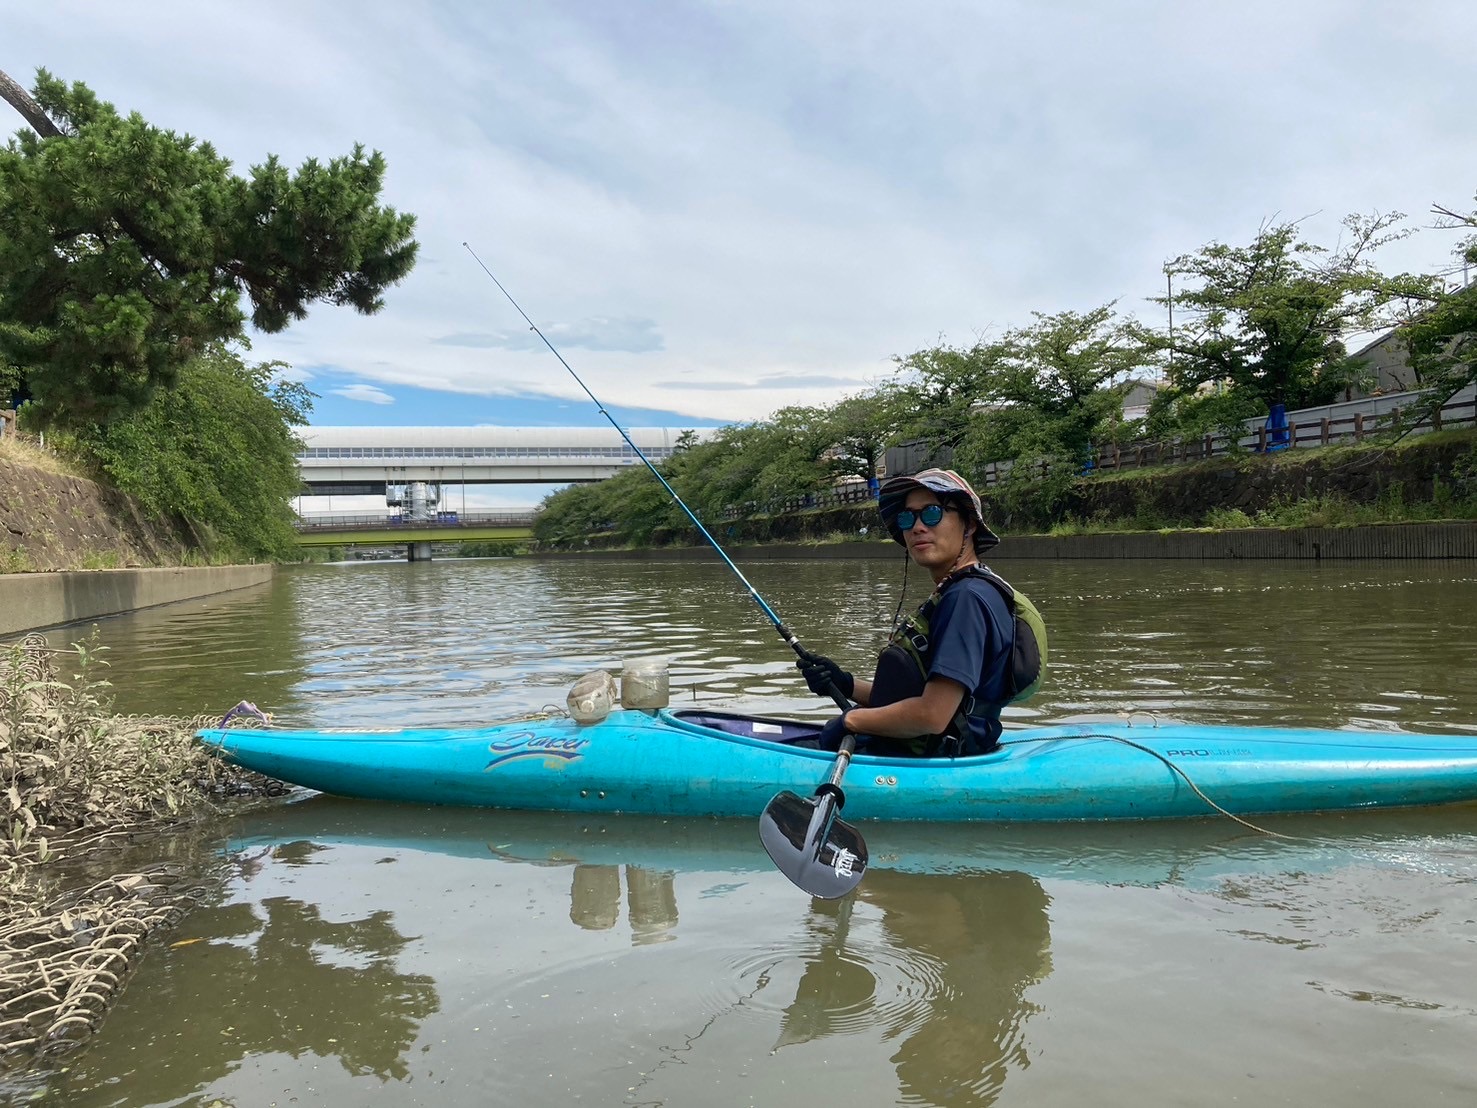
(367,461)
(416,535)
(410,466)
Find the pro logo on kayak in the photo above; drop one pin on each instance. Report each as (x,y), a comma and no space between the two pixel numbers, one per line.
(555,750)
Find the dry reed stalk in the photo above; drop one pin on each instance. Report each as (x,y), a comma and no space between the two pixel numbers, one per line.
(76,780)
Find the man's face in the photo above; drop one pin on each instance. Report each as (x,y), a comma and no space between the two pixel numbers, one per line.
(933,546)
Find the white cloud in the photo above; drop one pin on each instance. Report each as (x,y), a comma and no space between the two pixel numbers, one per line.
(631,336)
(775,191)
(369,394)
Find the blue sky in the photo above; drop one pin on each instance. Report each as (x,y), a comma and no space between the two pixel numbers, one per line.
(718,209)
(345,399)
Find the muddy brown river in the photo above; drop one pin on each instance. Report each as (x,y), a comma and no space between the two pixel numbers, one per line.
(381,954)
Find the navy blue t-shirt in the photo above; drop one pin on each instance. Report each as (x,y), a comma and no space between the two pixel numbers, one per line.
(972,634)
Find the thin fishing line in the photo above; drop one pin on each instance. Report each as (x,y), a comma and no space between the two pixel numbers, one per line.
(1314,840)
(897,614)
(655,472)
(779,625)
(1176,769)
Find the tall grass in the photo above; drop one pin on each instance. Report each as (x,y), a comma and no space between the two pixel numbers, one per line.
(20,451)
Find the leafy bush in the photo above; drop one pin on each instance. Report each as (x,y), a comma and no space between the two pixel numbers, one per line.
(1228,519)
(217,449)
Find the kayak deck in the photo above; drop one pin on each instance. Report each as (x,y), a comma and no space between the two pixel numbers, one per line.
(690,763)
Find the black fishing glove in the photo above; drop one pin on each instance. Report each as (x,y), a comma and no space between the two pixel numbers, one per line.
(832,733)
(819,670)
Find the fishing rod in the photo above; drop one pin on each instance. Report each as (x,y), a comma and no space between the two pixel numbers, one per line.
(785,633)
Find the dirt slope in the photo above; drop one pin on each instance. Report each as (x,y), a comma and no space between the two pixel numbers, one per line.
(53,521)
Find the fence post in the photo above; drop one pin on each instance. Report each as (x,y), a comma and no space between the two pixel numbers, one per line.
(1261,439)
(1358,426)
(1292,436)
(1436,420)
(1323,432)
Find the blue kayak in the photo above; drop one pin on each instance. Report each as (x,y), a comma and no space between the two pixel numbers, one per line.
(691,763)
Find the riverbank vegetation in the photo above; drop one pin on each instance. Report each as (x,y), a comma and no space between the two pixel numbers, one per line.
(132,259)
(81,785)
(1455,501)
(1257,327)
(232,476)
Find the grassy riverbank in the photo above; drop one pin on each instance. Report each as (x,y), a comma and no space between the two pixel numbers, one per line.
(81,786)
(1421,480)
(1426,479)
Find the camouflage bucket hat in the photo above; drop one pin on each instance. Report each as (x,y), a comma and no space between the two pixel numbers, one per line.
(947,485)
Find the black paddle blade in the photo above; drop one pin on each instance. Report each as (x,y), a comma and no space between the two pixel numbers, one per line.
(823,855)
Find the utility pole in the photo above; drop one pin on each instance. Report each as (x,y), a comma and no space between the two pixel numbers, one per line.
(1169,302)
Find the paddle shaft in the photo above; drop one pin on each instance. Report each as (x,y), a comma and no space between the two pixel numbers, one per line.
(785,633)
(829,797)
(843,761)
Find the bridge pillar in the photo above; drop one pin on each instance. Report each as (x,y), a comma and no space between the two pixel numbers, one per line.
(418,552)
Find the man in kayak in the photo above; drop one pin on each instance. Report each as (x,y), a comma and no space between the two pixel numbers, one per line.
(948,669)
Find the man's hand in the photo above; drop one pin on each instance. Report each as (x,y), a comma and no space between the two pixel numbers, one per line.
(832,733)
(820,671)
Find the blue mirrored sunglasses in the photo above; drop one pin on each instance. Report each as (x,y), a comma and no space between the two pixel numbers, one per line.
(930,514)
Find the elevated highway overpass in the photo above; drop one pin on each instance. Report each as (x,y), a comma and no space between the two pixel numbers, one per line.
(366,461)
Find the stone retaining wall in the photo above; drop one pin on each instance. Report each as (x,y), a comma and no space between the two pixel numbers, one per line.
(30,601)
(1254,483)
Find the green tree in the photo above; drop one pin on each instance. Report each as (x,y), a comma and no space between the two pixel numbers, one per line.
(728,470)
(1269,320)
(572,514)
(218,449)
(797,453)
(1055,390)
(862,427)
(1442,333)
(126,249)
(940,387)
(1061,383)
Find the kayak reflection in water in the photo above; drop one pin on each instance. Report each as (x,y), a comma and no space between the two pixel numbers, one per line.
(651,901)
(950,668)
(948,976)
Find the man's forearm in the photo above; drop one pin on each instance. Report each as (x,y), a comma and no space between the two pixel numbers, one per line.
(929,714)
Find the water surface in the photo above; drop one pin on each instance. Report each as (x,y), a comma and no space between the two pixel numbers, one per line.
(370,953)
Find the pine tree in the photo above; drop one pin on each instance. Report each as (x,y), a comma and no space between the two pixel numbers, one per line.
(126,250)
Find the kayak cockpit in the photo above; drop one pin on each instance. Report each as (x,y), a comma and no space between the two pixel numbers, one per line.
(789,732)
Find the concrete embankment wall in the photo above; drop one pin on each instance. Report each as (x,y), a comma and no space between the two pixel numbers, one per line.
(30,601)
(1457,539)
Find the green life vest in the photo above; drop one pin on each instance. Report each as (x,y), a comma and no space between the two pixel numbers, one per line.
(1028,652)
